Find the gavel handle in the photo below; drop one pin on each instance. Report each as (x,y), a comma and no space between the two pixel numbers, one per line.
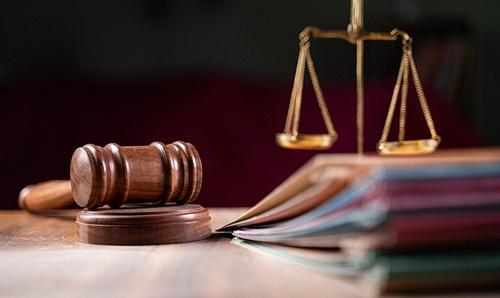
(53,194)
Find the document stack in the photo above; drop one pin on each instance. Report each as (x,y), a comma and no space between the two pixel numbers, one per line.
(391,224)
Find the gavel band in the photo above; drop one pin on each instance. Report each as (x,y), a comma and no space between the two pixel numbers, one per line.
(114,175)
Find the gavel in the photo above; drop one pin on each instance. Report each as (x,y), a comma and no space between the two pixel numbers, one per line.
(114,175)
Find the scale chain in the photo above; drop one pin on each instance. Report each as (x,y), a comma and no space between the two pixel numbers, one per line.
(319,94)
(421,97)
(402,83)
(404,98)
(392,106)
(293,116)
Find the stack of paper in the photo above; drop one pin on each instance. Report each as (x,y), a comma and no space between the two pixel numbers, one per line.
(397,223)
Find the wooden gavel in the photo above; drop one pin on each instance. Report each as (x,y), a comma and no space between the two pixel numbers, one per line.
(114,175)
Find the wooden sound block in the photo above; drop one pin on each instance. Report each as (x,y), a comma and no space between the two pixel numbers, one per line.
(143,225)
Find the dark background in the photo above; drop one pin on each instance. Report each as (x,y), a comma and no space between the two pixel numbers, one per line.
(218,74)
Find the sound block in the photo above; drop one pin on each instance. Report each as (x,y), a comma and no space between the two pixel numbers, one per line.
(143,225)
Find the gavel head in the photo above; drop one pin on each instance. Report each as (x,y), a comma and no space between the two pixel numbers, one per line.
(114,175)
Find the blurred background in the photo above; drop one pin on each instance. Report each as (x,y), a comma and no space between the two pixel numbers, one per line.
(218,74)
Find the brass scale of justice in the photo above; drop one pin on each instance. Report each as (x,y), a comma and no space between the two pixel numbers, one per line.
(292,139)
(171,174)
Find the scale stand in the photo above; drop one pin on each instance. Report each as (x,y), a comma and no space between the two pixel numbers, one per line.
(355,34)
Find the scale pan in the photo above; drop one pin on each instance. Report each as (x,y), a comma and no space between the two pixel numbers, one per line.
(305,141)
(409,147)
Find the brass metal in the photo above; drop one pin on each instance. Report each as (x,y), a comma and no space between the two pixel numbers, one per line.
(305,141)
(360,92)
(408,147)
(403,146)
(356,35)
(290,138)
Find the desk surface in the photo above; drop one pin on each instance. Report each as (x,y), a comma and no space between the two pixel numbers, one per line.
(40,257)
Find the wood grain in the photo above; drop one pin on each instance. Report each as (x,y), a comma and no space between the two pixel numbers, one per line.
(53,194)
(39,257)
(143,225)
(114,175)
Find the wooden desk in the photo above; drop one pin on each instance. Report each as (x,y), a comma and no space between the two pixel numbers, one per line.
(39,257)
